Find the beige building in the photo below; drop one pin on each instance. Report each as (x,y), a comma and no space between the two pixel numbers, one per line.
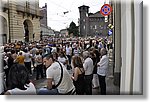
(46,31)
(20,19)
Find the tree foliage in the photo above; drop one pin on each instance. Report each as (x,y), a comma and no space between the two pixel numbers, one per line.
(73,29)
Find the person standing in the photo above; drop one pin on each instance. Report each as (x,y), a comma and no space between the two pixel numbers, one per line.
(27,60)
(102,68)
(95,80)
(78,75)
(69,53)
(33,52)
(39,65)
(20,58)
(10,62)
(88,67)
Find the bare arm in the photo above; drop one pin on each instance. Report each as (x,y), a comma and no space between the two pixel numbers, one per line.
(49,83)
(76,73)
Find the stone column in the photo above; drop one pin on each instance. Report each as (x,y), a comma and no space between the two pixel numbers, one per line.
(117,42)
(12,16)
(127,47)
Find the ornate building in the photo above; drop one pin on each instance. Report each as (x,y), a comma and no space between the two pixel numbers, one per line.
(91,24)
(20,20)
(43,11)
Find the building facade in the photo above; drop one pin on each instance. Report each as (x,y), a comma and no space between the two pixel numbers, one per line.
(43,12)
(91,24)
(21,19)
(63,33)
(45,29)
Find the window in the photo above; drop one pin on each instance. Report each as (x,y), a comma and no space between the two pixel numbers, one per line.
(84,27)
(86,14)
(95,26)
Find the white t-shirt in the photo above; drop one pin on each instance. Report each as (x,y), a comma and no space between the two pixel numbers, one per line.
(37,59)
(68,50)
(54,72)
(29,91)
(27,57)
(62,59)
(88,66)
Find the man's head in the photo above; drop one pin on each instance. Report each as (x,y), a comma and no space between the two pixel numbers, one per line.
(103,51)
(85,54)
(48,60)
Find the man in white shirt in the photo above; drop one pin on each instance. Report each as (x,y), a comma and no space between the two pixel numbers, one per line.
(53,75)
(88,67)
(69,53)
(102,67)
(27,60)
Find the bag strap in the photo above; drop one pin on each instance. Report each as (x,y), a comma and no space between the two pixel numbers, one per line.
(60,77)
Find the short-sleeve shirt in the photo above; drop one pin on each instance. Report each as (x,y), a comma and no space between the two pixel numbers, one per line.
(29,91)
(27,57)
(62,59)
(88,66)
(54,72)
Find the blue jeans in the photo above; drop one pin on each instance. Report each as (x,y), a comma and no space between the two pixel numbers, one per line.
(45,91)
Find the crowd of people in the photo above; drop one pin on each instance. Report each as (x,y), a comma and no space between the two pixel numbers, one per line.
(52,58)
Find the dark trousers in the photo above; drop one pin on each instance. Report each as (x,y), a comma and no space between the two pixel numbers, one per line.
(28,66)
(88,84)
(33,62)
(39,70)
(102,84)
(6,73)
(69,59)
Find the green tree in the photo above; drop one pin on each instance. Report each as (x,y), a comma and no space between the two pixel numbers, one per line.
(73,29)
